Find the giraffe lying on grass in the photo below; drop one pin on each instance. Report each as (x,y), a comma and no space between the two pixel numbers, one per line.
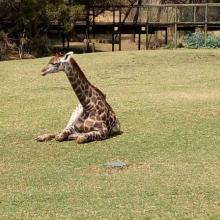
(94,118)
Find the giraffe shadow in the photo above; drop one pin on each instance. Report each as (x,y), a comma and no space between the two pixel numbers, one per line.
(110,137)
(116,134)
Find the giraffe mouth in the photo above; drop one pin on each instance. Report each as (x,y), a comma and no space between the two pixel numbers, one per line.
(47,71)
(44,72)
(53,68)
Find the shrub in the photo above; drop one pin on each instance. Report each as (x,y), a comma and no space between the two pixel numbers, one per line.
(40,46)
(6,46)
(197,40)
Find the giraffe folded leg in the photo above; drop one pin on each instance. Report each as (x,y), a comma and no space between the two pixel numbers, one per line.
(70,129)
(91,136)
(63,136)
(73,136)
(45,137)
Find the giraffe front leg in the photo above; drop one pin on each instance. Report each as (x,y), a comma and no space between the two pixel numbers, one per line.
(63,136)
(70,129)
(45,137)
(73,136)
(92,136)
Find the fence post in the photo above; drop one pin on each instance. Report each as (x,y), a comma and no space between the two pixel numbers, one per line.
(147,34)
(206,23)
(139,41)
(113,32)
(120,28)
(194,14)
(166,37)
(93,21)
(175,27)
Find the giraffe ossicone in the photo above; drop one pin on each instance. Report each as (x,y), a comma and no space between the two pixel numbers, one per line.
(93,119)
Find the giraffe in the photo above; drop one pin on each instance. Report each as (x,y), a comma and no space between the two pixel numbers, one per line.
(93,119)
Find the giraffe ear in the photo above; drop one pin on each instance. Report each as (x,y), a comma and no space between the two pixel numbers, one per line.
(67,55)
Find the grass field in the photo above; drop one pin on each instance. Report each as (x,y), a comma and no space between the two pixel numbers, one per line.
(168,103)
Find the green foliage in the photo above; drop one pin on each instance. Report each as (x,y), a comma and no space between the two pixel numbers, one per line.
(33,18)
(197,40)
(213,41)
(5,45)
(40,46)
(64,15)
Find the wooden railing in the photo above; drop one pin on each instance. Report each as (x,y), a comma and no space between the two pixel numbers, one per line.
(165,13)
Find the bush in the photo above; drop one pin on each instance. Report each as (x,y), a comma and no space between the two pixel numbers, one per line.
(6,46)
(197,40)
(40,46)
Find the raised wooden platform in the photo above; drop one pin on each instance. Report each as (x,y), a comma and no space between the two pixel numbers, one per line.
(148,19)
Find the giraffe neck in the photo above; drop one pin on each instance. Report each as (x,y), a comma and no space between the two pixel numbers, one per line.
(80,84)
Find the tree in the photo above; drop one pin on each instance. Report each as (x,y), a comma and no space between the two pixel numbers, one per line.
(31,19)
(25,19)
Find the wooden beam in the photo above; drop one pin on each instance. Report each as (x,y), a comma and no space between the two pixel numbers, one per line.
(139,41)
(166,37)
(206,21)
(119,29)
(93,22)
(147,36)
(158,5)
(194,14)
(113,41)
(113,35)
(175,28)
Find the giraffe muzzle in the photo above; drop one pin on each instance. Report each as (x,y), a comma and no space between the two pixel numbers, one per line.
(44,72)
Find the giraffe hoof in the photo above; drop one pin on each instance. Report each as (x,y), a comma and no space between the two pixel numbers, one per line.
(72,137)
(39,139)
(81,139)
(43,138)
(61,137)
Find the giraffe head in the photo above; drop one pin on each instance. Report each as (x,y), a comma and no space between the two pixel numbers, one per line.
(57,64)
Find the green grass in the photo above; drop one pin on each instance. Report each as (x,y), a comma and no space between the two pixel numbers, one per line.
(168,103)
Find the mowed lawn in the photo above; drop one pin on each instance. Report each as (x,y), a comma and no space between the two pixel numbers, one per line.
(168,103)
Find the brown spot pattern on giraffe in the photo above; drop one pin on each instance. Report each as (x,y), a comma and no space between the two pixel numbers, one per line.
(98,116)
